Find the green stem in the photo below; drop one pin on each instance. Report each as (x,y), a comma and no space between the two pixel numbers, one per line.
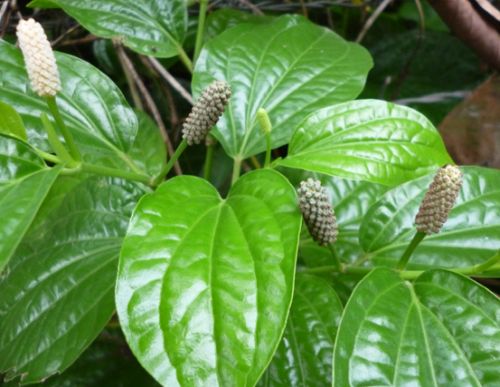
(105,171)
(403,261)
(182,146)
(209,156)
(185,59)
(54,141)
(48,156)
(335,257)
(265,124)
(201,28)
(255,162)
(68,137)
(236,170)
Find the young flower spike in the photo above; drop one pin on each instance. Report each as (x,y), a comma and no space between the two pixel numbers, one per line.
(317,211)
(439,200)
(39,58)
(206,112)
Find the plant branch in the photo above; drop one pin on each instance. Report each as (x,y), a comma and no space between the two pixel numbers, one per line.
(201,28)
(383,5)
(236,170)
(403,261)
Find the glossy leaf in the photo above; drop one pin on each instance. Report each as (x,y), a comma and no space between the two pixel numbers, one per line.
(92,106)
(368,140)
(205,284)
(443,330)
(57,291)
(19,203)
(291,67)
(148,151)
(11,122)
(470,236)
(226,18)
(150,27)
(304,356)
(17,159)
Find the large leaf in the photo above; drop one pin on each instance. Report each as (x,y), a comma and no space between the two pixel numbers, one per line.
(470,236)
(57,291)
(368,140)
(150,27)
(11,122)
(443,330)
(205,284)
(290,67)
(304,356)
(24,184)
(92,106)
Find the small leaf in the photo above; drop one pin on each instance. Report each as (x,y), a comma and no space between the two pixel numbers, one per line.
(368,140)
(304,356)
(57,290)
(470,236)
(205,284)
(92,106)
(11,122)
(443,330)
(149,27)
(290,67)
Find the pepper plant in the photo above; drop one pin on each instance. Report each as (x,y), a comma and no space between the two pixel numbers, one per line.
(228,288)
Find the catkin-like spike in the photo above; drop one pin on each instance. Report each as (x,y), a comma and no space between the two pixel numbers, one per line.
(39,58)
(439,200)
(317,211)
(206,112)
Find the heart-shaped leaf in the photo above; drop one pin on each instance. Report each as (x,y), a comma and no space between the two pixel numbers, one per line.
(205,284)
(11,122)
(443,330)
(92,106)
(57,290)
(470,236)
(304,356)
(368,140)
(150,27)
(24,184)
(290,67)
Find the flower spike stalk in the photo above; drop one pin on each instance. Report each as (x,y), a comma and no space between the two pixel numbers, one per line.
(39,58)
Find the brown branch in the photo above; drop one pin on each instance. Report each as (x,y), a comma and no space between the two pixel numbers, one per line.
(471,28)
(148,99)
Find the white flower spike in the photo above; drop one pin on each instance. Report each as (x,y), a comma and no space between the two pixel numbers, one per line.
(39,58)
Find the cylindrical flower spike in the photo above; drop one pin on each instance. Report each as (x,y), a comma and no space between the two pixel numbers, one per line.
(439,200)
(317,211)
(39,58)
(206,112)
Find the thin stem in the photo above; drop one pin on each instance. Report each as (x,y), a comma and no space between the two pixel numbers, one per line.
(68,137)
(105,171)
(403,261)
(488,263)
(335,257)
(54,141)
(265,124)
(48,156)
(255,162)
(209,156)
(185,59)
(182,146)
(236,170)
(201,28)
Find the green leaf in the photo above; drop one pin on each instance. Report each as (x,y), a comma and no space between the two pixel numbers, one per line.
(304,356)
(148,151)
(57,290)
(470,236)
(443,330)
(368,140)
(149,27)
(205,284)
(226,18)
(19,203)
(17,159)
(92,106)
(290,67)
(11,122)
